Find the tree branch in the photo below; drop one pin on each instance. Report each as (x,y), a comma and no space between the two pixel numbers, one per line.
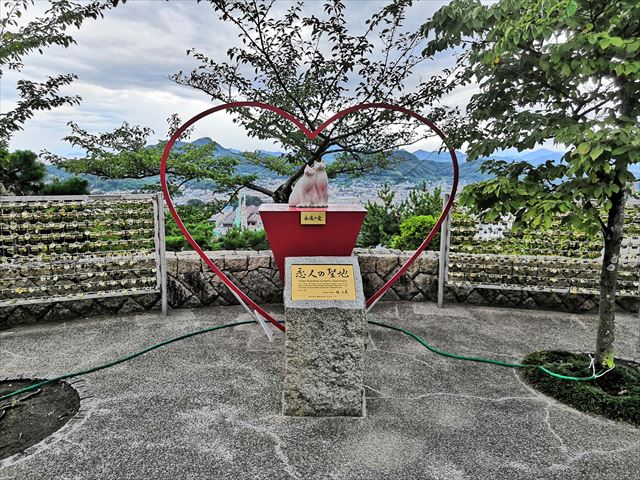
(258,188)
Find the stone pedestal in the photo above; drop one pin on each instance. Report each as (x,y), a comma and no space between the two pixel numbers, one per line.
(324,346)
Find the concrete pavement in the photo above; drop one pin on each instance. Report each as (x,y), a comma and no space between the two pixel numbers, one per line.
(209,406)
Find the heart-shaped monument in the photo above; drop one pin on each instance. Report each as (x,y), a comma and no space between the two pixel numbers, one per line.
(252,307)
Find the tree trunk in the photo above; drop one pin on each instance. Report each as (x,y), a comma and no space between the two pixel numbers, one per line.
(608,281)
(282,193)
(612,242)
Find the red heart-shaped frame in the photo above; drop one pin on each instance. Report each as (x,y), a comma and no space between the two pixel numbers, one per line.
(311,134)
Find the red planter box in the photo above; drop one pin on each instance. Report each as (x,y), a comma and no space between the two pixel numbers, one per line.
(289,238)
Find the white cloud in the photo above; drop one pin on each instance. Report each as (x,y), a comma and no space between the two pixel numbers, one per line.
(123,61)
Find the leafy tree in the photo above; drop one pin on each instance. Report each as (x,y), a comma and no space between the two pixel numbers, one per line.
(566,71)
(311,66)
(125,153)
(20,172)
(16,41)
(69,186)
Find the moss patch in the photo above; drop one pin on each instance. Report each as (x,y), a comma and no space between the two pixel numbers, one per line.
(616,395)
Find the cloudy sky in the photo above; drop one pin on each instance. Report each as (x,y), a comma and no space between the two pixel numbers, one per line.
(123,60)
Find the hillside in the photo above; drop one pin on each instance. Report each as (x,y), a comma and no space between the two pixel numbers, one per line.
(410,168)
(419,166)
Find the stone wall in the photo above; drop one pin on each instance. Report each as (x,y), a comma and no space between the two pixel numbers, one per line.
(192,284)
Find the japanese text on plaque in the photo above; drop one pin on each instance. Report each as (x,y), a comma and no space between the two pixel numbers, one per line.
(322,282)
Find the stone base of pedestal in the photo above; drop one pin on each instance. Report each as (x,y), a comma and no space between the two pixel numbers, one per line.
(324,349)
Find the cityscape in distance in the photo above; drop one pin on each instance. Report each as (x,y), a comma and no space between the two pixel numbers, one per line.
(408,170)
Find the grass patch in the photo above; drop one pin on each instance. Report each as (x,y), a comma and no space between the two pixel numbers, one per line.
(616,395)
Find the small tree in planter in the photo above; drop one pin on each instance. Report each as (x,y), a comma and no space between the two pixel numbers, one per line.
(563,71)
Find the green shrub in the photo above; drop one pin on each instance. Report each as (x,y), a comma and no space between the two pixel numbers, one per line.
(175,243)
(202,232)
(239,239)
(615,395)
(413,231)
(384,217)
(69,186)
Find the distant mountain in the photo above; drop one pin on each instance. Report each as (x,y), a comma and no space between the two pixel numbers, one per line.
(535,158)
(538,157)
(262,152)
(408,167)
(220,150)
(421,154)
(53,171)
(270,154)
(437,156)
(202,141)
(418,166)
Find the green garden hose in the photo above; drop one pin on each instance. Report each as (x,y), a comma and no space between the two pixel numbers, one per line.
(123,359)
(246,322)
(486,360)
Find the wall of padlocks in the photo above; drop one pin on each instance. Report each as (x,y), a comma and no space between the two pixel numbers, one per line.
(65,257)
(55,249)
(542,260)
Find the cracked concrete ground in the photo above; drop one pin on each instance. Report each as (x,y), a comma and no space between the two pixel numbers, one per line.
(208,407)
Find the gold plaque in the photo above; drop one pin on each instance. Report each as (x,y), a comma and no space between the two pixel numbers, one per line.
(313,218)
(322,282)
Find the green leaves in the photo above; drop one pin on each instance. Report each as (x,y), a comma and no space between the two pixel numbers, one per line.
(35,96)
(572,8)
(616,41)
(604,42)
(596,151)
(413,231)
(18,40)
(584,148)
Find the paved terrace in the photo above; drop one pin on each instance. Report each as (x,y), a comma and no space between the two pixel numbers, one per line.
(208,407)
